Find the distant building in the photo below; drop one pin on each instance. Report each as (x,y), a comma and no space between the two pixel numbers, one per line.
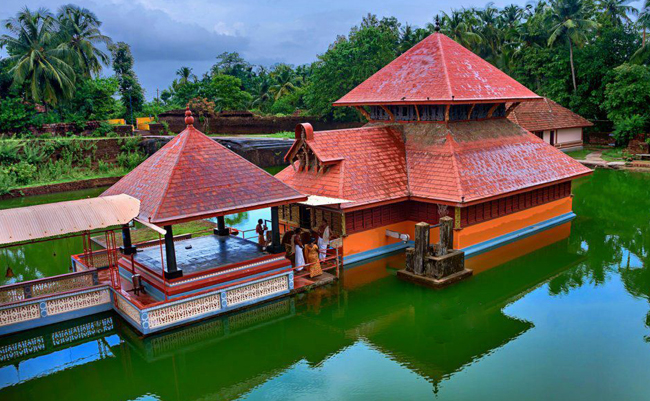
(555,124)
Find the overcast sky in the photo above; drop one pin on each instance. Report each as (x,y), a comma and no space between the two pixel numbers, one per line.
(166,34)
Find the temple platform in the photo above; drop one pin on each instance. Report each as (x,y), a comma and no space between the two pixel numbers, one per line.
(200,254)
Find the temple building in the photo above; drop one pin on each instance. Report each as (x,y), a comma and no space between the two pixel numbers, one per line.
(556,125)
(438,142)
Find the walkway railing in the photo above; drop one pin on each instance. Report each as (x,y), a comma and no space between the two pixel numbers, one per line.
(48,286)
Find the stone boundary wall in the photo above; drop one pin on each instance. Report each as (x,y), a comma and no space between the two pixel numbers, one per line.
(84,129)
(247,125)
(61,187)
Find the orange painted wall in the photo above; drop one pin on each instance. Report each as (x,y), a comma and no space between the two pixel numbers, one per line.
(519,248)
(487,230)
(376,237)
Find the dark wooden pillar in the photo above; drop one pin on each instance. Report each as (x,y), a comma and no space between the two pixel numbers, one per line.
(171,270)
(421,245)
(275,247)
(221,226)
(446,234)
(127,247)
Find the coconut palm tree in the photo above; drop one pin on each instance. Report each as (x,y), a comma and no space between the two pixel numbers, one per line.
(459,27)
(644,20)
(185,74)
(285,81)
(38,60)
(617,10)
(570,23)
(79,29)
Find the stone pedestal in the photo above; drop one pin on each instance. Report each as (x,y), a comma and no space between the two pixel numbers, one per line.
(436,265)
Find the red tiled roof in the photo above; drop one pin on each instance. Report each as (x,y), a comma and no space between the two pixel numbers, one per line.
(459,162)
(194,177)
(371,166)
(436,70)
(473,160)
(545,114)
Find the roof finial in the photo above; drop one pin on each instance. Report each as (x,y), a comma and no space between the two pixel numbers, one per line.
(189,120)
(437,28)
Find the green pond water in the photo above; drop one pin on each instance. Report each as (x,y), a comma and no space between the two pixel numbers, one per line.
(569,321)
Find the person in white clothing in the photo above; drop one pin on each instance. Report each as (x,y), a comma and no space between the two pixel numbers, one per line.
(323,239)
(298,251)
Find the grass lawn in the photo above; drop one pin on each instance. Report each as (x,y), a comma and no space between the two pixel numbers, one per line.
(580,154)
(613,154)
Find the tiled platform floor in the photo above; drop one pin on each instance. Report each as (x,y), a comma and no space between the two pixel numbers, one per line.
(203,253)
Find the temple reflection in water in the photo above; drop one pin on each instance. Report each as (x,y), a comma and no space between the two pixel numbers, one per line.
(433,334)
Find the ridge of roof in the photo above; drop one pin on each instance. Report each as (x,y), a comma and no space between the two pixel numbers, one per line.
(183,138)
(454,163)
(444,68)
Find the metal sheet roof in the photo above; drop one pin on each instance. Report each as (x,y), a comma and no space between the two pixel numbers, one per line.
(53,219)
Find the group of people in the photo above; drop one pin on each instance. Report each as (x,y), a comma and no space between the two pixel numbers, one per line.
(307,248)
(302,247)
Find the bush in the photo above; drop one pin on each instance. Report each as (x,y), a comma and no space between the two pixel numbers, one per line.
(7,182)
(104,167)
(9,151)
(628,127)
(15,115)
(33,153)
(130,160)
(23,172)
(104,129)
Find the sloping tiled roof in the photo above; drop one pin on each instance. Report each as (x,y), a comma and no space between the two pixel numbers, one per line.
(194,177)
(545,114)
(436,70)
(457,163)
(371,166)
(473,160)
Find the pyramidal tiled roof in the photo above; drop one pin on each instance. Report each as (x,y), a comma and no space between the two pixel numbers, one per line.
(545,114)
(437,71)
(454,163)
(194,177)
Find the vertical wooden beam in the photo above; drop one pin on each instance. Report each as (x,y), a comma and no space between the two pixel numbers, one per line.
(447,112)
(417,111)
(457,215)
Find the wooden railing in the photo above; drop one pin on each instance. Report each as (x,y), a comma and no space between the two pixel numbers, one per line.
(48,286)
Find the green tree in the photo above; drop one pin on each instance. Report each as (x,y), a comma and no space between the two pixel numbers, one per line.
(94,99)
(226,93)
(285,79)
(617,11)
(79,29)
(185,75)
(39,63)
(628,95)
(348,62)
(131,92)
(571,24)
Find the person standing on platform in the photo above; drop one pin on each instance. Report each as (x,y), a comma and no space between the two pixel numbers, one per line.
(323,239)
(259,229)
(298,249)
(312,256)
(287,241)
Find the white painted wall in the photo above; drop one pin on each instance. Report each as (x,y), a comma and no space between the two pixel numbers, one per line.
(569,135)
